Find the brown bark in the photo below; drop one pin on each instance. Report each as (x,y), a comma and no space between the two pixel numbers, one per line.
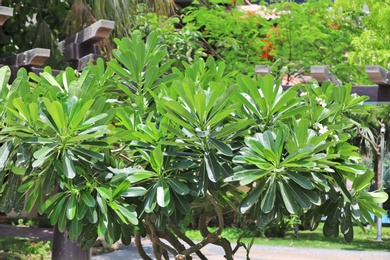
(138,245)
(63,249)
(186,239)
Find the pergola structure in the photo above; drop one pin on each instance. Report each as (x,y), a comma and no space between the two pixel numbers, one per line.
(78,49)
(378,93)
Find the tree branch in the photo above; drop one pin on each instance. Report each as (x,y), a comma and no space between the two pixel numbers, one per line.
(186,239)
(138,245)
(155,239)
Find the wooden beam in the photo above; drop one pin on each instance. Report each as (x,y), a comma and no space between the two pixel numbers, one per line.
(34,57)
(79,49)
(83,62)
(378,75)
(322,74)
(5,13)
(92,34)
(262,70)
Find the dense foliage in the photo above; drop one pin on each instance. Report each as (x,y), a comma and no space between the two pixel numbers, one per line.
(140,144)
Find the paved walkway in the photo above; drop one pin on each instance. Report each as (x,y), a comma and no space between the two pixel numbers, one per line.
(259,252)
(212,252)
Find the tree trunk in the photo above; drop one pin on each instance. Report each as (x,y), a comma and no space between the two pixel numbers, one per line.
(63,249)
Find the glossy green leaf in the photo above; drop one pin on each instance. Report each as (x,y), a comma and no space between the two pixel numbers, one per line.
(21,106)
(301,180)
(89,153)
(177,186)
(68,166)
(104,192)
(150,202)
(45,151)
(89,236)
(163,194)
(212,166)
(126,232)
(5,151)
(134,192)
(268,202)
(221,147)
(61,224)
(251,198)
(181,203)
(102,203)
(76,227)
(129,213)
(288,197)
(87,198)
(71,207)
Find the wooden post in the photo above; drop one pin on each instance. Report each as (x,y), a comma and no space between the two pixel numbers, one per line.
(322,74)
(5,13)
(28,59)
(80,48)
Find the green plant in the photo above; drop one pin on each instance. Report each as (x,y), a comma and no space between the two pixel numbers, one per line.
(22,248)
(233,36)
(140,143)
(371,45)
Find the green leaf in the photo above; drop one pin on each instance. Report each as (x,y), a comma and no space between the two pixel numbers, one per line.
(81,114)
(45,151)
(179,187)
(268,203)
(374,197)
(76,227)
(87,198)
(68,165)
(301,180)
(20,105)
(104,192)
(5,151)
(157,159)
(89,236)
(251,198)
(150,202)
(89,153)
(102,203)
(353,168)
(129,214)
(52,201)
(71,207)
(120,189)
(221,147)
(288,197)
(126,232)
(163,194)
(134,192)
(270,156)
(181,203)
(300,196)
(61,224)
(212,166)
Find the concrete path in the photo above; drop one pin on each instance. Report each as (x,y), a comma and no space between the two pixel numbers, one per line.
(259,252)
(212,252)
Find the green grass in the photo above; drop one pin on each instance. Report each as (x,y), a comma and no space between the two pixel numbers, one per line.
(20,248)
(314,239)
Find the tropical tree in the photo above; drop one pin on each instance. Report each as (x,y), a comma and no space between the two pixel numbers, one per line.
(372,45)
(43,24)
(138,145)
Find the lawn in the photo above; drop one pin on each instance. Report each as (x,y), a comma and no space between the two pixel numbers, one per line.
(314,239)
(20,248)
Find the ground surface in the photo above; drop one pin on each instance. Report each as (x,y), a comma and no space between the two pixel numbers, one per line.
(258,252)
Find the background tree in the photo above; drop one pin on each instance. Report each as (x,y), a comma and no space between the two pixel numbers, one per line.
(372,45)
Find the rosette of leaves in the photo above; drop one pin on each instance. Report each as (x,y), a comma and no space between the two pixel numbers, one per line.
(56,147)
(296,163)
